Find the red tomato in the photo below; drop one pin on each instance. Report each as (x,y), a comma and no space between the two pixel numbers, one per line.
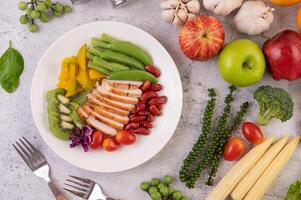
(234,149)
(252,133)
(109,144)
(97,139)
(125,137)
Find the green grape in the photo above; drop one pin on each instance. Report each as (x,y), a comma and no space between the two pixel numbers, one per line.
(155,182)
(41,7)
(57,14)
(22,5)
(171,191)
(59,7)
(35,14)
(67,9)
(44,18)
(144,186)
(155,196)
(33,28)
(161,185)
(164,191)
(167,179)
(48,3)
(23,19)
(177,195)
(184,198)
(152,189)
(28,11)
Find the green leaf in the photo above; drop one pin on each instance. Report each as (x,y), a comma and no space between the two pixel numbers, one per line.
(294,191)
(11,67)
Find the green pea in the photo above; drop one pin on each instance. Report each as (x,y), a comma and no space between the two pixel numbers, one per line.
(28,11)
(67,9)
(35,14)
(152,189)
(184,198)
(33,28)
(23,19)
(155,182)
(22,5)
(161,185)
(155,196)
(177,195)
(57,14)
(167,179)
(59,7)
(144,186)
(41,7)
(164,191)
(44,18)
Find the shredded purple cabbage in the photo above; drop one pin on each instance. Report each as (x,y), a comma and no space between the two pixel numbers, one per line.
(81,137)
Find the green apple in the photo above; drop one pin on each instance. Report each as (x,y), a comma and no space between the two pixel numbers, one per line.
(241,63)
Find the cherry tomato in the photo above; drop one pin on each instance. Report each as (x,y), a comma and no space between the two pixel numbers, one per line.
(125,137)
(252,133)
(234,149)
(109,144)
(97,139)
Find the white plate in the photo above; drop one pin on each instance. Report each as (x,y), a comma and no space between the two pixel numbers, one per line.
(46,77)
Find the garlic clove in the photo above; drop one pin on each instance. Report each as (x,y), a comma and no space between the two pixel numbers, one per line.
(193,6)
(182,15)
(190,16)
(169,4)
(168,15)
(176,21)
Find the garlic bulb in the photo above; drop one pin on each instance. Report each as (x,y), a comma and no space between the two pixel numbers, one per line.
(222,7)
(178,12)
(253,18)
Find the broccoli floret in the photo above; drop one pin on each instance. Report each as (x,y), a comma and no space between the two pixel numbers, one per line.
(274,103)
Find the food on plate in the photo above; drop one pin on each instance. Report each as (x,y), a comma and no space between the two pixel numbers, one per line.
(160,189)
(177,12)
(211,150)
(241,63)
(11,68)
(298,18)
(41,10)
(254,17)
(282,55)
(135,75)
(294,191)
(234,149)
(273,103)
(285,2)
(221,7)
(202,38)
(105,96)
(124,47)
(271,172)
(253,175)
(252,133)
(238,171)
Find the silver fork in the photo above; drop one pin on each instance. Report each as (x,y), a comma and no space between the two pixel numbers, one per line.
(37,163)
(86,189)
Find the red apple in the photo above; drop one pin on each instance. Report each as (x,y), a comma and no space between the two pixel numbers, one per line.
(202,38)
(283,55)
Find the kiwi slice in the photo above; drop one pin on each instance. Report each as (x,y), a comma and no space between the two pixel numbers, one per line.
(53,105)
(52,93)
(64,100)
(59,129)
(74,106)
(77,120)
(63,109)
(81,97)
(66,118)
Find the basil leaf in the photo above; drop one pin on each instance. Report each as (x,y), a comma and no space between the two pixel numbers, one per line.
(11,67)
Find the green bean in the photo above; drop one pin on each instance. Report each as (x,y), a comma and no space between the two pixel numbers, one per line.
(100,69)
(90,56)
(117,57)
(111,66)
(128,48)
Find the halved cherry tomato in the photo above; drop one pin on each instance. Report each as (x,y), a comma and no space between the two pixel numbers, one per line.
(234,149)
(109,144)
(125,137)
(97,139)
(252,133)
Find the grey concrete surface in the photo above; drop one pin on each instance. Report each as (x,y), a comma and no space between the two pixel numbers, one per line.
(16,180)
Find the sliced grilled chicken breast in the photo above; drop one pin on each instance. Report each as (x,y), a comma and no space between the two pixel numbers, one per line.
(94,100)
(124,99)
(101,126)
(82,113)
(123,92)
(107,114)
(116,104)
(126,85)
(90,110)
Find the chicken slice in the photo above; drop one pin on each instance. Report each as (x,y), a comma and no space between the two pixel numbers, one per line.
(101,126)
(82,113)
(107,114)
(123,92)
(125,85)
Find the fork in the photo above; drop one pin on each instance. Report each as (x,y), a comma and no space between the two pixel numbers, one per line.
(86,189)
(37,163)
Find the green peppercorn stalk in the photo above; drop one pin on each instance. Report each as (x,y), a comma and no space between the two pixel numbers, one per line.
(199,146)
(236,121)
(42,10)
(216,140)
